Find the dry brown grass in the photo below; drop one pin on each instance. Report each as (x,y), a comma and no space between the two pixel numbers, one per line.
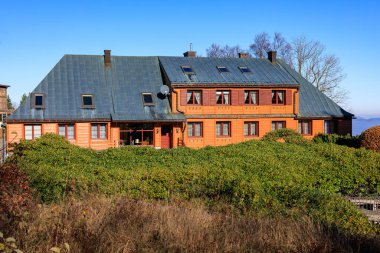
(100,224)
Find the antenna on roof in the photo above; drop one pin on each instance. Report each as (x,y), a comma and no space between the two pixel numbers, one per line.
(191,45)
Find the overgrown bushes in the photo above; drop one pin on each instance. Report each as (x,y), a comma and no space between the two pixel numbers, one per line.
(370,138)
(256,177)
(344,140)
(286,134)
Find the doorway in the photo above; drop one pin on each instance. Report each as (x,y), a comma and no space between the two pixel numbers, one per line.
(166,136)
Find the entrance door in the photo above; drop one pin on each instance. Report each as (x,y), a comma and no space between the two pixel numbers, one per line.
(165,136)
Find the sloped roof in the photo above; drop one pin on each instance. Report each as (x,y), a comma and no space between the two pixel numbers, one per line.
(314,103)
(117,90)
(262,71)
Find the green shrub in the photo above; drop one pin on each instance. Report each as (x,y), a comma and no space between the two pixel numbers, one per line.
(370,138)
(288,135)
(344,140)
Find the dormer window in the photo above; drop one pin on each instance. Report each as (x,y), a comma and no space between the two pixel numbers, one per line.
(38,100)
(188,70)
(222,69)
(88,101)
(147,99)
(245,69)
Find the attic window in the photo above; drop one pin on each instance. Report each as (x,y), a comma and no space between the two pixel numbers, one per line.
(147,99)
(88,101)
(187,70)
(245,69)
(38,101)
(222,69)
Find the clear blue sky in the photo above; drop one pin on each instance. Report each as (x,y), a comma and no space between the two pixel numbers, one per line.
(34,35)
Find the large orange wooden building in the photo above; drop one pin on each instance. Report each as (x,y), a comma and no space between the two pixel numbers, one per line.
(110,101)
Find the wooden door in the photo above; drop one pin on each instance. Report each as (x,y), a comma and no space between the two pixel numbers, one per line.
(165,136)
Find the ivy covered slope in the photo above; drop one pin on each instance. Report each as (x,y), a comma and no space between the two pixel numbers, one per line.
(256,177)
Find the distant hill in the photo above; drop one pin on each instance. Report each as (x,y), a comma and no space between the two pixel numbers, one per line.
(359,125)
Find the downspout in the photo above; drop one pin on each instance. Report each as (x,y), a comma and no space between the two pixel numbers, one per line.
(176,107)
(295,104)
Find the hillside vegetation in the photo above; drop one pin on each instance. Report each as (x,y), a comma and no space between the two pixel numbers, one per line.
(255,180)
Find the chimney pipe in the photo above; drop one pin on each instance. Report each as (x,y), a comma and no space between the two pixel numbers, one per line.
(243,55)
(272,56)
(107,58)
(190,54)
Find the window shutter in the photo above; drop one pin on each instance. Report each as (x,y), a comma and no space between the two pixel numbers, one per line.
(265,97)
(288,98)
(241,97)
(212,94)
(234,97)
(183,97)
(205,97)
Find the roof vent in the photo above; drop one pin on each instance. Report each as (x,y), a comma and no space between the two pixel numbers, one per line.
(272,56)
(243,55)
(107,58)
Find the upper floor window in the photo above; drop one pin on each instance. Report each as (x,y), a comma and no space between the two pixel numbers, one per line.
(223,97)
(67,131)
(38,100)
(193,97)
(278,125)
(244,69)
(329,127)
(88,101)
(194,129)
(278,97)
(32,132)
(304,127)
(250,97)
(251,128)
(222,69)
(99,131)
(223,129)
(147,99)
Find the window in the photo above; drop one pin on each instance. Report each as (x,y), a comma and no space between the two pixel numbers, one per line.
(278,125)
(32,132)
(329,127)
(193,97)
(223,97)
(194,129)
(38,101)
(244,69)
(223,129)
(251,129)
(147,99)
(304,127)
(67,131)
(187,70)
(278,97)
(250,97)
(99,131)
(222,69)
(88,101)
(3,117)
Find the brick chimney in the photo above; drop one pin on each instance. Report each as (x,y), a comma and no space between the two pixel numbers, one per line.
(272,56)
(107,58)
(243,55)
(190,54)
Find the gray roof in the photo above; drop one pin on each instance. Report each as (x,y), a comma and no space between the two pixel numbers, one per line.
(263,72)
(314,103)
(117,91)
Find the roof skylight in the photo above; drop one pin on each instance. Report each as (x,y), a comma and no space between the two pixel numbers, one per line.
(187,70)
(244,69)
(222,69)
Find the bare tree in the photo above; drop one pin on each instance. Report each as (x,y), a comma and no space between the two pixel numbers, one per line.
(321,69)
(261,45)
(217,51)
(284,48)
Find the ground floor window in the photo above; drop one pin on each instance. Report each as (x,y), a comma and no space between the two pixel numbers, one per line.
(329,127)
(278,125)
(32,132)
(223,129)
(251,128)
(304,127)
(67,131)
(99,131)
(136,134)
(194,129)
